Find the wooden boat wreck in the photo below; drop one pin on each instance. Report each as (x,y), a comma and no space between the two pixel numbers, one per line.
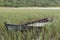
(29,25)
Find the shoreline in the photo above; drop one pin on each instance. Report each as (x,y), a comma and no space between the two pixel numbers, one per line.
(29,7)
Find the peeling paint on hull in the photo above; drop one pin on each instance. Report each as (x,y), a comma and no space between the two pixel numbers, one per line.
(38,24)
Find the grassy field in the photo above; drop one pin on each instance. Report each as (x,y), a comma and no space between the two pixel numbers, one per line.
(19,16)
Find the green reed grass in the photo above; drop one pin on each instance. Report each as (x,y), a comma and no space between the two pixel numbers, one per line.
(19,16)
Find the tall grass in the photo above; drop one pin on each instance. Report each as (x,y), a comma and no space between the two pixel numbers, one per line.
(19,16)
